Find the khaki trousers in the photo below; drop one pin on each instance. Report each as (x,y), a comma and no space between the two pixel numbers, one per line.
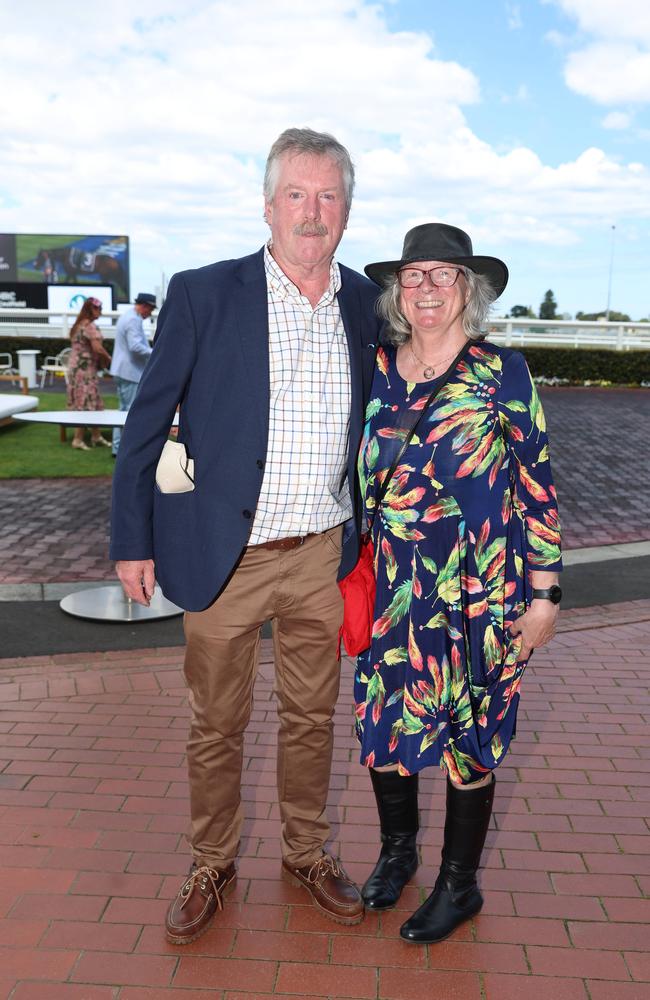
(297,591)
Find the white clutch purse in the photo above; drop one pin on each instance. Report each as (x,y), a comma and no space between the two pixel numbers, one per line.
(175,471)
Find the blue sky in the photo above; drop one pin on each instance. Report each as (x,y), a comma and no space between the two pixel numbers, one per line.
(524,123)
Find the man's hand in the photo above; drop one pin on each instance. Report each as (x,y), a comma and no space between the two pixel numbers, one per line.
(137,579)
(536,627)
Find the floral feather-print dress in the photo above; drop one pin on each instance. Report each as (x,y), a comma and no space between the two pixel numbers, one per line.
(83,387)
(469,508)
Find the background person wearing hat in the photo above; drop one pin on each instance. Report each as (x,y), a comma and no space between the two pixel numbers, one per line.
(467,551)
(130,354)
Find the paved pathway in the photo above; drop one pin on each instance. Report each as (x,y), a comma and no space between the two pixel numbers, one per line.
(93,806)
(601,465)
(93,794)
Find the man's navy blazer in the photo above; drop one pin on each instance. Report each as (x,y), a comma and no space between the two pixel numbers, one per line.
(211,357)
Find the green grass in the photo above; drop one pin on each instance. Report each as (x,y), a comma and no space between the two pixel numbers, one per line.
(30,451)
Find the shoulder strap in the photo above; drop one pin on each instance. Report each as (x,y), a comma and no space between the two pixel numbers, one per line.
(407,440)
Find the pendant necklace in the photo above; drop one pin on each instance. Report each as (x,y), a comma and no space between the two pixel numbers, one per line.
(429,371)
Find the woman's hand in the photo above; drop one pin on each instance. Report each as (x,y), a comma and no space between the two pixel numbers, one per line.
(536,626)
(102,356)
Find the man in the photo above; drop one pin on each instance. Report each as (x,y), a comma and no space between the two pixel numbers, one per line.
(130,354)
(271,359)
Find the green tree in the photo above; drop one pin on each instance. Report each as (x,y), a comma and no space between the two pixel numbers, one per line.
(614,317)
(548,308)
(518,312)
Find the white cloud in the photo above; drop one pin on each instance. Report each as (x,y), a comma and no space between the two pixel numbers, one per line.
(520,96)
(613,66)
(625,19)
(160,120)
(157,124)
(610,73)
(513,15)
(556,38)
(617,120)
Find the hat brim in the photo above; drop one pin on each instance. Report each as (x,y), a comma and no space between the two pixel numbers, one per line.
(491,267)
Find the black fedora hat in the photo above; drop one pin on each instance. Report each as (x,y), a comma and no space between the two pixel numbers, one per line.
(145,299)
(436,241)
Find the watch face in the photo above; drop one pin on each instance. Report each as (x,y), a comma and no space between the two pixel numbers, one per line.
(555,594)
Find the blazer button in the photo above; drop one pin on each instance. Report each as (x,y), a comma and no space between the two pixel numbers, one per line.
(247,514)
(260,463)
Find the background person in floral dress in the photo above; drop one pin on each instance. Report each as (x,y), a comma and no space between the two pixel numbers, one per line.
(88,355)
(467,550)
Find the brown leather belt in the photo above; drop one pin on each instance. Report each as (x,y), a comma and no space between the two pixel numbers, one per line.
(284,544)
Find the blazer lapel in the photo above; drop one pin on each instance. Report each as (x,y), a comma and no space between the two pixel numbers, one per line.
(349,305)
(351,316)
(251,305)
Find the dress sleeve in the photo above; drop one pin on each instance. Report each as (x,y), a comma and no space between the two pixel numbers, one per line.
(524,428)
(93,333)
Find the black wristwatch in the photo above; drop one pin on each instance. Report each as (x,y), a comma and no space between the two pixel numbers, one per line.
(552,594)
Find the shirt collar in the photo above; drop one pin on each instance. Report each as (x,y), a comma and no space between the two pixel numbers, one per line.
(283,287)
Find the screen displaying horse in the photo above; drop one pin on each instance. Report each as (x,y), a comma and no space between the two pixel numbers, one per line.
(75,260)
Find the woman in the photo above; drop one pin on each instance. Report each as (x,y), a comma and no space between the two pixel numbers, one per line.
(467,551)
(87,356)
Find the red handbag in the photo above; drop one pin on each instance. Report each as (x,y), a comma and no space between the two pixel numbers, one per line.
(358,590)
(359,586)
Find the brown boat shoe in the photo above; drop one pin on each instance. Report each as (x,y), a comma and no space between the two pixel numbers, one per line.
(200,896)
(331,890)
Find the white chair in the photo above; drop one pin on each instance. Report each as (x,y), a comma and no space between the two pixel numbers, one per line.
(6,364)
(54,366)
(7,371)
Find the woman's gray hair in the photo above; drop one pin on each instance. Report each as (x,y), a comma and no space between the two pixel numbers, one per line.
(305,140)
(474,318)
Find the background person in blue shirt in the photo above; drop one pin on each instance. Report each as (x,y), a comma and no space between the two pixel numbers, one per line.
(130,354)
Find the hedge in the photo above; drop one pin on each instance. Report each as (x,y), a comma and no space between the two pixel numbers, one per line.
(577,365)
(47,346)
(589,365)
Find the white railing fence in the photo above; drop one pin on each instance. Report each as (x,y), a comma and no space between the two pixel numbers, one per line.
(569,333)
(44,323)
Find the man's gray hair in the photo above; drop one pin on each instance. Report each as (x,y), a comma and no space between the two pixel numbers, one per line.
(305,140)
(474,318)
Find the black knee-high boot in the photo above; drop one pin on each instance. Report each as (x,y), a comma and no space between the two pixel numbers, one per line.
(456,896)
(397,803)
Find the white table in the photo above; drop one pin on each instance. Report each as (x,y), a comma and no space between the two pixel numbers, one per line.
(27,366)
(102,603)
(79,418)
(110,604)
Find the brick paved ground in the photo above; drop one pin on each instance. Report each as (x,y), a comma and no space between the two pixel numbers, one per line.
(601,463)
(93,804)
(600,459)
(59,530)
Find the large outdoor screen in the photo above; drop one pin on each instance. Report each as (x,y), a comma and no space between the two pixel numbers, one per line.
(76,260)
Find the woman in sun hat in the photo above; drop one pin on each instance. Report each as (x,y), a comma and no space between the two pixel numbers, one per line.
(467,551)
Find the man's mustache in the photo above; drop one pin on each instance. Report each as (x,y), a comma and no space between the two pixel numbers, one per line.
(310,229)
